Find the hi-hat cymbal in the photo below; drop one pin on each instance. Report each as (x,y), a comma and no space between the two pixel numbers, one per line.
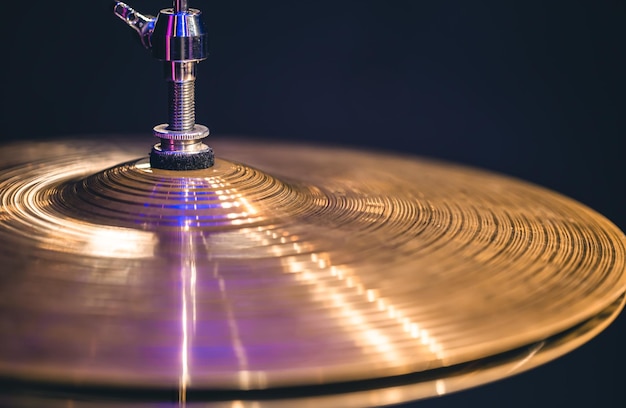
(309,273)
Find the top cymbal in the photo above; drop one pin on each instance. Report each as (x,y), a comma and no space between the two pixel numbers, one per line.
(304,266)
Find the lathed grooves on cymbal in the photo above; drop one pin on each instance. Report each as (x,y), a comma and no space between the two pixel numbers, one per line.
(132,195)
(301,266)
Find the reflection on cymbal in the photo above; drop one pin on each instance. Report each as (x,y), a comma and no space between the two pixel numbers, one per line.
(303,267)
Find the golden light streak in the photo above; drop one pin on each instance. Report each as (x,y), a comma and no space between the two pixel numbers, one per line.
(370,335)
(238,347)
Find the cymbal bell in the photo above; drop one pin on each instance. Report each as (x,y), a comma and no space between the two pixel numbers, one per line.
(287,273)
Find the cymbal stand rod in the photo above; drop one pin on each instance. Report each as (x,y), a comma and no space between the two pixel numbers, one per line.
(180,6)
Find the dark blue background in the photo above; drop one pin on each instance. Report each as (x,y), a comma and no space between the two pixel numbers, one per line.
(534,89)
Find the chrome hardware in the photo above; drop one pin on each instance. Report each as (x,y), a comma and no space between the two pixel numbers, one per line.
(178,38)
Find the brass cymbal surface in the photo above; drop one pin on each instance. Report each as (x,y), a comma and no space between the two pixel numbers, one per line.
(288,266)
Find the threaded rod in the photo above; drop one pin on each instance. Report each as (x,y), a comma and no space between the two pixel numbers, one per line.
(182,109)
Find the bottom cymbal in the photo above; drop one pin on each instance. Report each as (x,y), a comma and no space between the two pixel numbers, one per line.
(381,392)
(284,273)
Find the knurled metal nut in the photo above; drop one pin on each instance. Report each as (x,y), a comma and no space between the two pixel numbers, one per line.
(198,132)
(200,150)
